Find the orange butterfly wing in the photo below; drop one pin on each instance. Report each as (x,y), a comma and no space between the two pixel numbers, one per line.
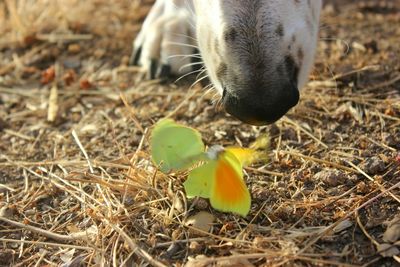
(229,192)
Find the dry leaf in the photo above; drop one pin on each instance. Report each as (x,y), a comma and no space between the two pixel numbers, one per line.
(203,261)
(202,221)
(343,225)
(6,212)
(387,250)
(76,262)
(67,255)
(199,261)
(90,233)
(84,84)
(331,177)
(48,75)
(392,233)
(178,205)
(347,110)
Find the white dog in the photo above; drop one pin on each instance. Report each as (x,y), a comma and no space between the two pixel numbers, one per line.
(257,53)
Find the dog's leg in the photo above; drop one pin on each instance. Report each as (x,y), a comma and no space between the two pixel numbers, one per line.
(166,41)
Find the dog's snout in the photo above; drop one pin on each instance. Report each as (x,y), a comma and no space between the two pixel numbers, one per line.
(260,109)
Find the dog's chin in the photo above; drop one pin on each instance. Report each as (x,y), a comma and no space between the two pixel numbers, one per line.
(256,121)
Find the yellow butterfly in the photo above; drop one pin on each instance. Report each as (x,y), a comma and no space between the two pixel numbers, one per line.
(221,179)
(175,147)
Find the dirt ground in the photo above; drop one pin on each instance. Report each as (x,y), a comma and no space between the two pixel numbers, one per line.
(77,186)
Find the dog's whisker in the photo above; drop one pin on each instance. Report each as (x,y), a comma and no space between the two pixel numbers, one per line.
(198,80)
(190,10)
(203,69)
(190,64)
(184,56)
(183,44)
(208,89)
(187,74)
(338,39)
(185,35)
(217,102)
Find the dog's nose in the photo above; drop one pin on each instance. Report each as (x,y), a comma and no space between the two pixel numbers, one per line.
(260,107)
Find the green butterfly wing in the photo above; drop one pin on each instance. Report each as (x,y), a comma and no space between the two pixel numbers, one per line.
(199,181)
(175,147)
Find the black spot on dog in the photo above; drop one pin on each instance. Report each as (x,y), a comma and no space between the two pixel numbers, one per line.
(300,55)
(230,35)
(279,30)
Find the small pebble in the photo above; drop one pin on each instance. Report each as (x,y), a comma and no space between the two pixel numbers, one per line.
(331,177)
(373,165)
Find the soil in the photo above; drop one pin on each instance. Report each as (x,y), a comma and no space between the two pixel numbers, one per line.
(77,185)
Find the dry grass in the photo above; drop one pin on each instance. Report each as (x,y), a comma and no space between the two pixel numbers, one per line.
(77,185)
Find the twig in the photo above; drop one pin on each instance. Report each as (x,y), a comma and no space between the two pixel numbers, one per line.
(9,67)
(349,214)
(46,244)
(131,112)
(19,92)
(7,187)
(180,105)
(67,187)
(63,163)
(360,171)
(42,255)
(364,230)
(337,198)
(279,174)
(82,149)
(54,38)
(372,179)
(135,248)
(235,258)
(15,17)
(383,84)
(365,68)
(22,136)
(182,241)
(332,164)
(287,120)
(40,231)
(379,144)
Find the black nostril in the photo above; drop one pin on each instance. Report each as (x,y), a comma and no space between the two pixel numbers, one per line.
(261,109)
(292,68)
